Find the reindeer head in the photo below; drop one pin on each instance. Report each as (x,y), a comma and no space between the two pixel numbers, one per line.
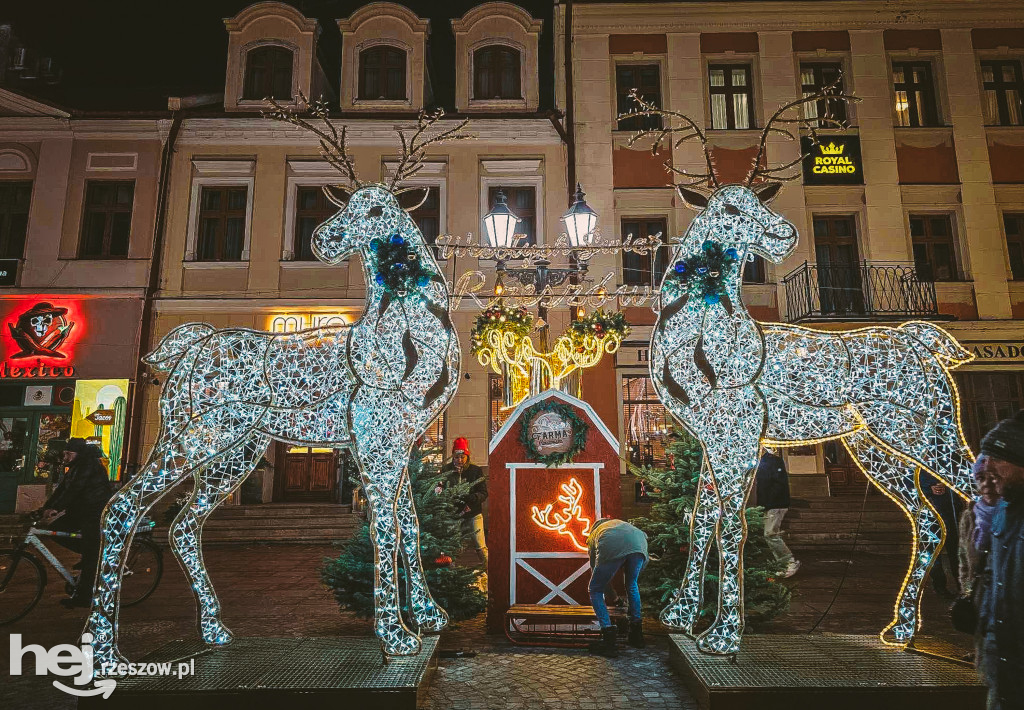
(367,213)
(738,216)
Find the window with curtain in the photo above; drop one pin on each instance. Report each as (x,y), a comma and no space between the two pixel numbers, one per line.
(221,234)
(813,78)
(496,73)
(14,203)
(1004,92)
(934,247)
(915,94)
(107,222)
(646,79)
(312,208)
(382,73)
(268,73)
(1013,227)
(523,203)
(732,98)
(644,269)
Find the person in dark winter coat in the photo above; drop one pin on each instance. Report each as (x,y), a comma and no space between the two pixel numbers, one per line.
(460,470)
(76,505)
(946,570)
(1001,613)
(772,482)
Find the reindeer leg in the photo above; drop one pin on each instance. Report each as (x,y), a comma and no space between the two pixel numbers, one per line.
(683,611)
(215,481)
(898,479)
(120,520)
(428,615)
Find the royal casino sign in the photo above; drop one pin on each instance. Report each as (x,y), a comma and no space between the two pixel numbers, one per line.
(834,160)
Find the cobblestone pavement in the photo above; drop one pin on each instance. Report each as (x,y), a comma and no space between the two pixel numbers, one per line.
(275,590)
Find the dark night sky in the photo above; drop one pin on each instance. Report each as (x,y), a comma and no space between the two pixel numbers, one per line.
(121,55)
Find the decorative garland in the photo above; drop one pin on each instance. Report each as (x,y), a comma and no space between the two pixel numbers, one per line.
(498,317)
(579,432)
(399,268)
(600,325)
(706,272)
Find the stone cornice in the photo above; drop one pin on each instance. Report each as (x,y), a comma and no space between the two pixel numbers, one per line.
(695,17)
(376,10)
(259,131)
(499,9)
(260,10)
(251,305)
(31,128)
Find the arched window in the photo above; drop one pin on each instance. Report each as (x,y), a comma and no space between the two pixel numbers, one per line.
(496,73)
(382,73)
(268,72)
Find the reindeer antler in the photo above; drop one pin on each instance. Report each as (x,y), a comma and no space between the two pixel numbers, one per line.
(829,93)
(332,143)
(414,147)
(687,130)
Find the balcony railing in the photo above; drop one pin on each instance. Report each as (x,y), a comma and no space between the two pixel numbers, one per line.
(877,291)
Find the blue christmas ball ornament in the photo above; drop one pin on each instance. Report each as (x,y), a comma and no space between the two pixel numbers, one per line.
(374,244)
(397,239)
(708,245)
(380,279)
(732,253)
(711,298)
(680,267)
(422,280)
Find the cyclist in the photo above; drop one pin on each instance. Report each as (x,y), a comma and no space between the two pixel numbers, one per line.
(76,506)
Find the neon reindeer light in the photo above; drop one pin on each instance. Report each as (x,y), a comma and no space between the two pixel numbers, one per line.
(570,521)
(738,384)
(372,387)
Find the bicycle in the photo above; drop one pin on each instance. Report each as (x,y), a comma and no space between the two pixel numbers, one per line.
(23,576)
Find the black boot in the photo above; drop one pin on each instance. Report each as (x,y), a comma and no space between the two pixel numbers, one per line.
(636,634)
(606,646)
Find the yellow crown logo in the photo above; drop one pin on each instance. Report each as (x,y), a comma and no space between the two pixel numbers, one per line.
(832,149)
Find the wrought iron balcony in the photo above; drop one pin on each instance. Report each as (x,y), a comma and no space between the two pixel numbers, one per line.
(863,291)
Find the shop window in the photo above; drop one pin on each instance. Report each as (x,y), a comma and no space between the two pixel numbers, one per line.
(268,73)
(382,73)
(1013,226)
(646,79)
(107,222)
(496,398)
(312,208)
(523,202)
(934,247)
(815,77)
(14,203)
(732,99)
(221,223)
(1004,92)
(644,269)
(435,437)
(986,398)
(646,421)
(496,73)
(428,216)
(915,94)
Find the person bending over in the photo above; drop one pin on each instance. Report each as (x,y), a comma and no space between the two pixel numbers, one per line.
(614,544)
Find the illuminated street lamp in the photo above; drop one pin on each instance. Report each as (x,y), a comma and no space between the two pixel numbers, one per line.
(500,223)
(580,221)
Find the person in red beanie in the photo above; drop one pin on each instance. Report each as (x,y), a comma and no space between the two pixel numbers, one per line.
(460,470)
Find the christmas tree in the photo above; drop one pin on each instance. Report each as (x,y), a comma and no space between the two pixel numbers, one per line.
(673,491)
(457,589)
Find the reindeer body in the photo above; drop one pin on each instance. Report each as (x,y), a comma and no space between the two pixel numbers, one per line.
(738,384)
(373,387)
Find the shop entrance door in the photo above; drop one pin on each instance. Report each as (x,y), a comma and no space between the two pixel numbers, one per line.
(24,437)
(309,473)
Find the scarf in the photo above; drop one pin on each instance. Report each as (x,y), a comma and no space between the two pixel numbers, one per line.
(982,523)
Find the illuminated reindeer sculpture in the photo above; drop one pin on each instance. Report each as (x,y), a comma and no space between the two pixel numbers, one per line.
(372,387)
(738,385)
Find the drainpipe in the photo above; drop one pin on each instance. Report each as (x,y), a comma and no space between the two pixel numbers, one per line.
(570,124)
(146,327)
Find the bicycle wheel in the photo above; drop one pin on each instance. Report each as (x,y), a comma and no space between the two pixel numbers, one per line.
(22,580)
(142,572)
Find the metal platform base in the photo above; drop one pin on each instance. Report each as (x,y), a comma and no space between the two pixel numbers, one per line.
(276,673)
(833,671)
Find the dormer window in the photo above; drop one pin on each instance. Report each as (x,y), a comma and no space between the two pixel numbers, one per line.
(382,74)
(268,73)
(496,73)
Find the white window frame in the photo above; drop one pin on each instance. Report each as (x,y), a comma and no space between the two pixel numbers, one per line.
(756,94)
(245,179)
(534,181)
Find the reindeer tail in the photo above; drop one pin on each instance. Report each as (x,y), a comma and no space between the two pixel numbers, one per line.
(175,343)
(940,343)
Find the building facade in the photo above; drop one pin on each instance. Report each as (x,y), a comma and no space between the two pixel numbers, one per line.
(927,222)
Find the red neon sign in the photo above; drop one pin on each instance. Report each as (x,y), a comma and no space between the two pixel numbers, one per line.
(570,521)
(42,332)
